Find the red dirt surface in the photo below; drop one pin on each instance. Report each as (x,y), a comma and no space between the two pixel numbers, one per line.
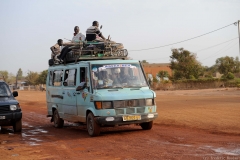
(196,124)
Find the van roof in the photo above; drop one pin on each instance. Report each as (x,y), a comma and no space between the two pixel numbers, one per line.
(96,62)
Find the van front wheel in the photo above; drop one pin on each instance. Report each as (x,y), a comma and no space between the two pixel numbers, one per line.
(147,125)
(58,122)
(92,127)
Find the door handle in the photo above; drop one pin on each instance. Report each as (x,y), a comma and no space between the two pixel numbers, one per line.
(63,92)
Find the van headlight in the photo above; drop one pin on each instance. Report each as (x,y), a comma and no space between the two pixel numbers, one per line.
(13,107)
(103,105)
(106,105)
(149,102)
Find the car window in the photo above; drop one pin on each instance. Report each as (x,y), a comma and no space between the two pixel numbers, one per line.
(70,77)
(4,90)
(57,78)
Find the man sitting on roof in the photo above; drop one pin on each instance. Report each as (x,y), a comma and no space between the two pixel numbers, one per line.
(77,37)
(56,50)
(93,32)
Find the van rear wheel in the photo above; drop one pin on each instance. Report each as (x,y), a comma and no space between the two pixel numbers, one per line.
(147,125)
(58,122)
(92,127)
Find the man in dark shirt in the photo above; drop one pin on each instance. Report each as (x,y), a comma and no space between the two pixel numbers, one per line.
(93,32)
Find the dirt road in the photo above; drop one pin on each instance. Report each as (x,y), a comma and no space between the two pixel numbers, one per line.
(199,124)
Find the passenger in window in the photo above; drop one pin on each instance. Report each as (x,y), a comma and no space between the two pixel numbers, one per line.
(104,79)
(116,76)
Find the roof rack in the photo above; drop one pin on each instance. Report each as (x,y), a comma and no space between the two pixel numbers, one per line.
(84,51)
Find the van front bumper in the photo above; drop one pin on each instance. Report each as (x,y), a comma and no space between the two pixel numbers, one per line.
(118,120)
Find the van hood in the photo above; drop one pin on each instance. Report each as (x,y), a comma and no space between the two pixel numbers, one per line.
(8,101)
(123,94)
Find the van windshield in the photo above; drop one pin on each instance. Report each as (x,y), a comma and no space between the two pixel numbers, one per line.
(4,90)
(118,76)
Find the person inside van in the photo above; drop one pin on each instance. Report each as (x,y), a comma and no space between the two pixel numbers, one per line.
(116,76)
(56,49)
(103,79)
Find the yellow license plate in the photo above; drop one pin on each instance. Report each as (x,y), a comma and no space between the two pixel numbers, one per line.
(131,117)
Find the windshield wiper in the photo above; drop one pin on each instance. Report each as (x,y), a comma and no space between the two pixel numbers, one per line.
(108,87)
(118,87)
(134,86)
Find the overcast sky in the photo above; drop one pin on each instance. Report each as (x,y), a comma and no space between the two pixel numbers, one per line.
(29,28)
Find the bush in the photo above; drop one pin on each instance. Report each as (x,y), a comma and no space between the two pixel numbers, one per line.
(230,75)
(192,77)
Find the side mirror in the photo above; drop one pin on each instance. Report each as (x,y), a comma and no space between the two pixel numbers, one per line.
(65,83)
(15,93)
(81,86)
(101,27)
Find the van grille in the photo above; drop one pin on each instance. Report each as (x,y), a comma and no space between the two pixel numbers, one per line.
(132,110)
(129,103)
(119,111)
(4,109)
(140,110)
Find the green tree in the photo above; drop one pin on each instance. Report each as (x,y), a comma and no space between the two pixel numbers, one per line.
(144,61)
(19,73)
(209,71)
(228,64)
(228,76)
(4,75)
(42,77)
(11,78)
(162,74)
(32,77)
(185,65)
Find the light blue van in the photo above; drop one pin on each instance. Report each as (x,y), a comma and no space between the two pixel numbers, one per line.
(99,93)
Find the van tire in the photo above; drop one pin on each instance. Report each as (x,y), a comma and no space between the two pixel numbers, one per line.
(92,127)
(17,126)
(58,122)
(147,125)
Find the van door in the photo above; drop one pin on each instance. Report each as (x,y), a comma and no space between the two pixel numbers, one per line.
(54,91)
(69,95)
(83,96)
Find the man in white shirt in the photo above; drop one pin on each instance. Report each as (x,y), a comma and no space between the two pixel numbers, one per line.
(77,37)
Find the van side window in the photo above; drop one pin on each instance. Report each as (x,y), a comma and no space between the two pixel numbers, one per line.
(70,77)
(50,78)
(83,74)
(57,78)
